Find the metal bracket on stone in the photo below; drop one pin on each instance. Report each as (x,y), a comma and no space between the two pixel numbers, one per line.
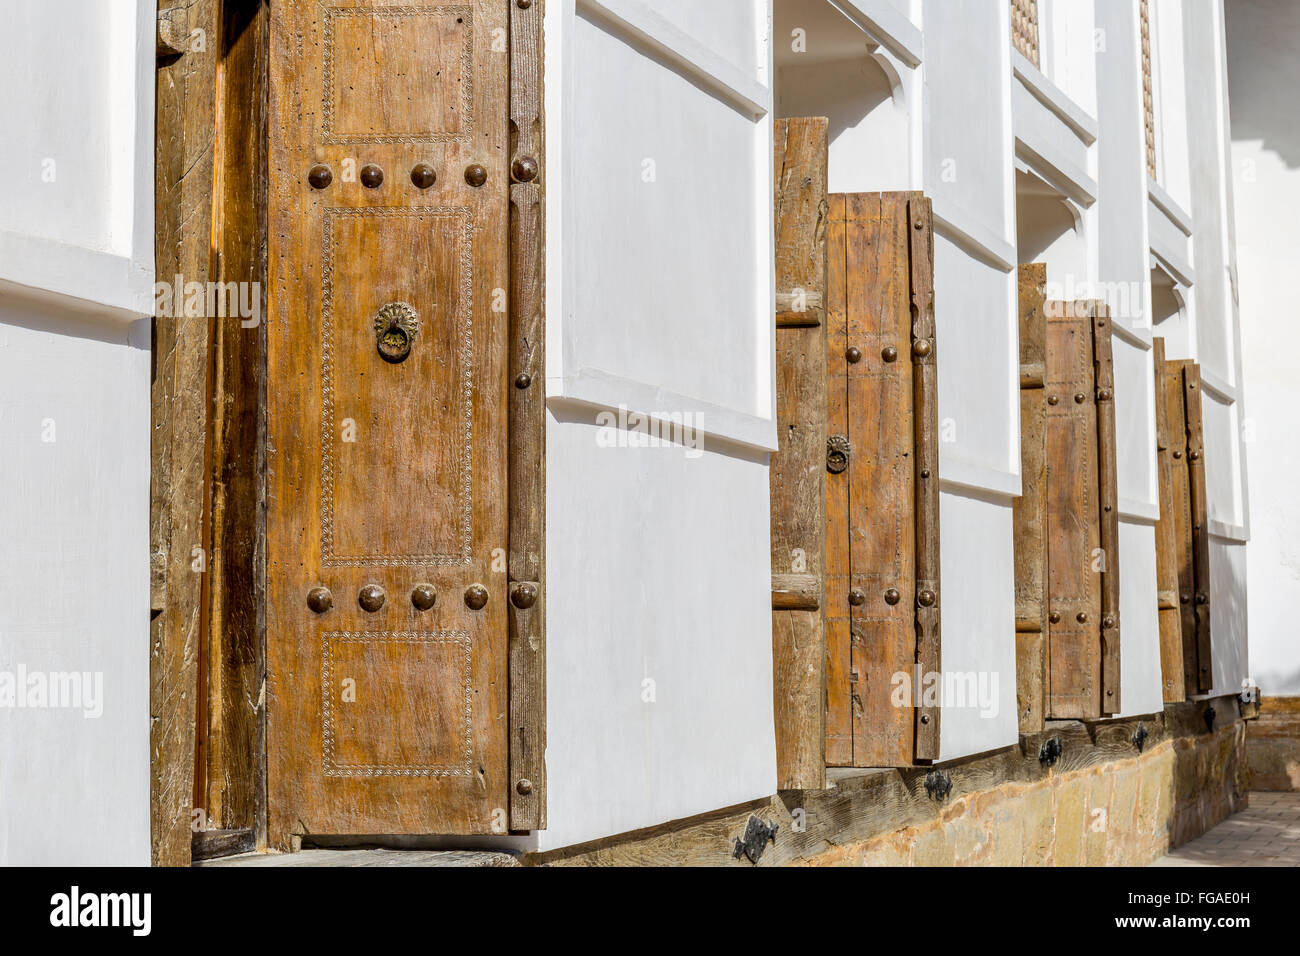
(1051,751)
(938,785)
(1210,715)
(757,835)
(1140,737)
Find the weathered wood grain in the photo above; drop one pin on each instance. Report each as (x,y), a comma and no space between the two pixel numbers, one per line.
(1181,495)
(1200,523)
(1029,510)
(388,474)
(527,413)
(1073,526)
(798,468)
(1171,633)
(1108,501)
(925,459)
(185,119)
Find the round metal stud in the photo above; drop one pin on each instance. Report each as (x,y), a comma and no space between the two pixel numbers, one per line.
(1178,454)
(892,596)
(925,718)
(524,169)
(371,598)
(1082,617)
(1184,598)
(475,175)
(1108,621)
(423,175)
(524,5)
(921,348)
(320,176)
(1054,617)
(476,597)
(926,598)
(1103,395)
(523,380)
(524,786)
(1052,399)
(853,354)
(424,597)
(320,599)
(524,596)
(1080,398)
(1193,456)
(857,597)
(925,473)
(889,353)
(1201,598)
(372,177)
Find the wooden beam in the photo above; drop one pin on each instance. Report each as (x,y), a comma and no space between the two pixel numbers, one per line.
(527,444)
(1171,632)
(185,120)
(1108,492)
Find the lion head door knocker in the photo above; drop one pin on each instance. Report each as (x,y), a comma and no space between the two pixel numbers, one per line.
(396,326)
(837,454)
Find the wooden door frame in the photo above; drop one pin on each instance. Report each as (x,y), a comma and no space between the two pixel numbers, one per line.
(208,226)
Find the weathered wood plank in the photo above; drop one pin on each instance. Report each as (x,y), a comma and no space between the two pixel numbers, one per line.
(1108,502)
(1200,523)
(798,468)
(185,120)
(925,400)
(1171,634)
(527,415)
(1029,510)
(1181,495)
(839,653)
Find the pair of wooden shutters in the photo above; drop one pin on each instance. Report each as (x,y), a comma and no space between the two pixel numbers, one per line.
(1067,518)
(855,278)
(1182,534)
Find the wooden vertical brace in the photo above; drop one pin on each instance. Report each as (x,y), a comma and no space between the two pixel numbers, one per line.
(925,391)
(1108,502)
(798,467)
(527,414)
(234,764)
(1029,511)
(1171,634)
(1200,523)
(1181,507)
(839,686)
(1073,527)
(185,118)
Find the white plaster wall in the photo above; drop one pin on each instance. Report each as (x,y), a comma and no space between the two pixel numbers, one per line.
(1263,72)
(660,299)
(76,253)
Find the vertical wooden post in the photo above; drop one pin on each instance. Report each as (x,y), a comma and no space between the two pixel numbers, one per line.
(185,117)
(925,391)
(1029,511)
(1171,632)
(1108,505)
(1200,523)
(798,472)
(527,413)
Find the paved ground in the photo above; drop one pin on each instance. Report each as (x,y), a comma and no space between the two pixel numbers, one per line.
(1266,834)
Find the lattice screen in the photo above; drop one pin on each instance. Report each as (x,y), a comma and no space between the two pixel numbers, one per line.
(1024,28)
(1148,94)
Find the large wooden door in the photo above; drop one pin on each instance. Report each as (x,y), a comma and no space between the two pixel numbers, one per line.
(387,382)
(882,544)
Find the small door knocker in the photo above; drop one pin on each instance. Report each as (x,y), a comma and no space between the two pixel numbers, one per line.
(396,326)
(837,454)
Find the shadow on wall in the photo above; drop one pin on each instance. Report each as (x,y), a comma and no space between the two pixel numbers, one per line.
(1264,73)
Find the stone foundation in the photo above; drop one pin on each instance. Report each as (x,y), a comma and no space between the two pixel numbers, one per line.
(1116,793)
(1273,745)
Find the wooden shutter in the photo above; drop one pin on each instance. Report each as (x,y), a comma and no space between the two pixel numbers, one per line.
(1029,512)
(798,477)
(1082,514)
(387,474)
(1171,630)
(882,505)
(1191,521)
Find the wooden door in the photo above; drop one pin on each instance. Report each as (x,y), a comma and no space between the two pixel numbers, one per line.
(387,419)
(882,582)
(1169,432)
(1082,515)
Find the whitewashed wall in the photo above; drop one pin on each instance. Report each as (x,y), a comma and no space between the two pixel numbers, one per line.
(76,274)
(1263,38)
(659,299)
